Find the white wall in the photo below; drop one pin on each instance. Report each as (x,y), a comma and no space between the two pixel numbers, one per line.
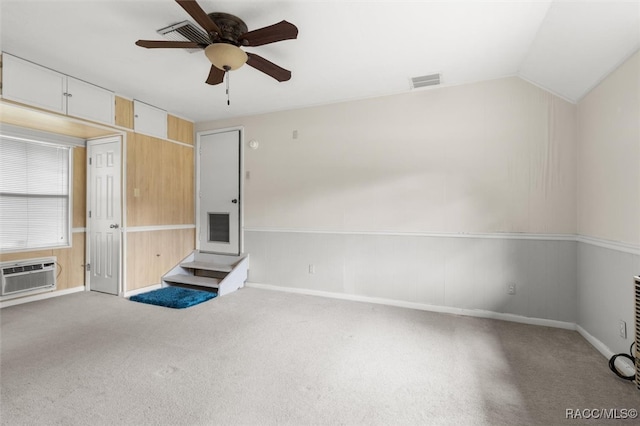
(372,192)
(609,157)
(496,156)
(609,204)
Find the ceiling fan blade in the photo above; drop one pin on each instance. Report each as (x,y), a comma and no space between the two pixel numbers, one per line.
(268,67)
(155,44)
(216,76)
(277,32)
(200,16)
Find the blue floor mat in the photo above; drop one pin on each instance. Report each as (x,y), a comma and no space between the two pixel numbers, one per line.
(174,297)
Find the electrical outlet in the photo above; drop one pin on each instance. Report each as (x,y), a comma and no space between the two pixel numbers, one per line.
(312,269)
(622,326)
(511,288)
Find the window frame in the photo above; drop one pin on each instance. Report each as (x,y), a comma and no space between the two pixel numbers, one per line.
(25,135)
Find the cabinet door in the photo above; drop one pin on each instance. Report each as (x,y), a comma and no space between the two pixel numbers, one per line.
(85,100)
(149,120)
(28,83)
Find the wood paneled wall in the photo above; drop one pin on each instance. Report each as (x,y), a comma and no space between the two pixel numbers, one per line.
(179,130)
(160,192)
(160,182)
(152,254)
(124,112)
(70,260)
(71,263)
(79,218)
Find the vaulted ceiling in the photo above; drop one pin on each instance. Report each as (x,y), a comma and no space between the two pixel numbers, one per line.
(345,49)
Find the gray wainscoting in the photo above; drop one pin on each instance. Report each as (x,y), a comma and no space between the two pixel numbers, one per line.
(467,273)
(606,293)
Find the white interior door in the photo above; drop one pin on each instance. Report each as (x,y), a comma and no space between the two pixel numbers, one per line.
(104,216)
(219,192)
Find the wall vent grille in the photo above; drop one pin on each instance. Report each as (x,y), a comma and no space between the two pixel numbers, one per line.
(425,80)
(185,31)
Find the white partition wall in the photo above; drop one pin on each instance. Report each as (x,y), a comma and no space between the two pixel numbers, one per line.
(609,205)
(376,198)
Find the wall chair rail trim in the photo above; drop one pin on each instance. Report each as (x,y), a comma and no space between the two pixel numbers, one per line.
(158,228)
(600,242)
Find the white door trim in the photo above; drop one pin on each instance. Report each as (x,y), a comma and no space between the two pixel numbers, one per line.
(239,129)
(107,139)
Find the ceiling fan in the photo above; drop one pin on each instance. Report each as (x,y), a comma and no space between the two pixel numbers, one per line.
(226,33)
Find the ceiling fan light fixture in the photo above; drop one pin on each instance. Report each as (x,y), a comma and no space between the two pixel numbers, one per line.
(225,56)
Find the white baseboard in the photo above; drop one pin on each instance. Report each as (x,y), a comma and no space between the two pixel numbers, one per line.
(41,296)
(626,368)
(142,290)
(421,306)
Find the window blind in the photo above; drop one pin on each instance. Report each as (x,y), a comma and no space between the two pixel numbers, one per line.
(34,195)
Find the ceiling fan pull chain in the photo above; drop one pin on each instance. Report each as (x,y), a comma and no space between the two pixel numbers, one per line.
(227,73)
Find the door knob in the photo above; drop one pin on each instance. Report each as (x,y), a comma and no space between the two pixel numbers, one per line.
(234,201)
(114,226)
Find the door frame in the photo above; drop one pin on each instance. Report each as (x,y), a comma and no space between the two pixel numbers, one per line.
(239,129)
(120,138)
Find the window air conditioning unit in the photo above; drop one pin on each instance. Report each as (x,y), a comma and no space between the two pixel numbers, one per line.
(28,275)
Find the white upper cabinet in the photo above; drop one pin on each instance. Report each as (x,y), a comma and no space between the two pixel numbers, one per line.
(85,100)
(26,82)
(149,120)
(29,83)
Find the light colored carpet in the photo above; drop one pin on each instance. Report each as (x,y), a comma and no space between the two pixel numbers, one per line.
(264,357)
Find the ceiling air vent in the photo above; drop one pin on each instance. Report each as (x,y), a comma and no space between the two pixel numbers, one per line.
(185,31)
(425,80)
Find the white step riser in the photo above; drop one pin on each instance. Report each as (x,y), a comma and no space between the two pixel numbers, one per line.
(204,266)
(193,280)
(235,269)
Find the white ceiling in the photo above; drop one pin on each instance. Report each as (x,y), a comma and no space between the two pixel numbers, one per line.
(345,49)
